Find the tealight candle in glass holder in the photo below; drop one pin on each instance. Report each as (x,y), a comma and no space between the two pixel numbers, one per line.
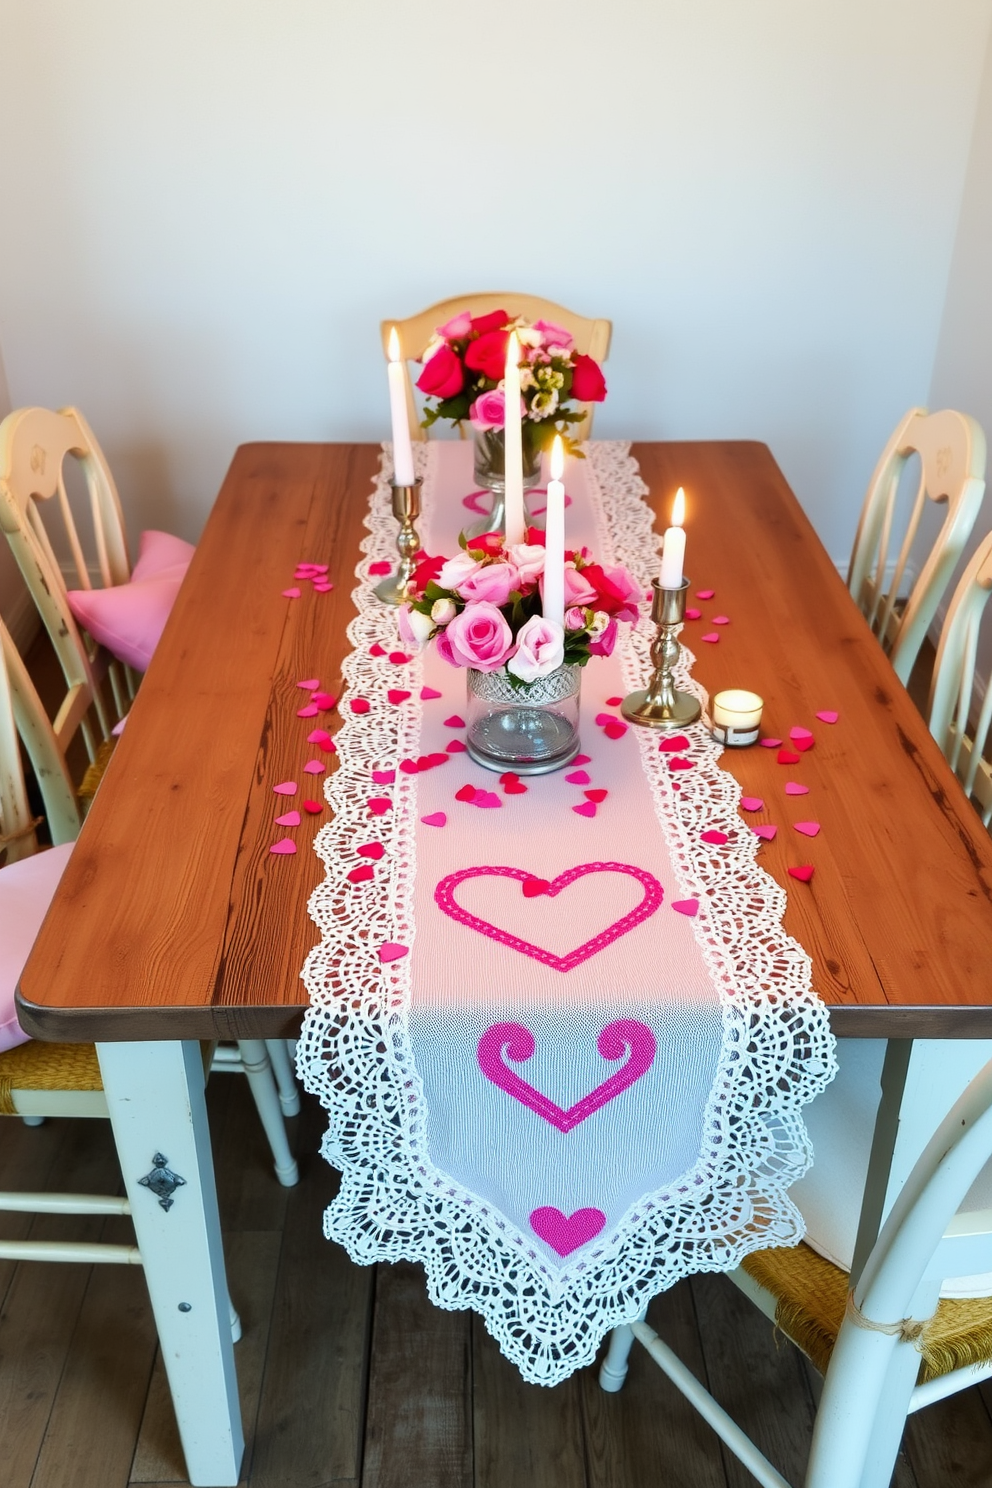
(736,717)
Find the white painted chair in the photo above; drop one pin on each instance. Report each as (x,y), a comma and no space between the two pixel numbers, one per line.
(953,691)
(41,1079)
(889,1346)
(592,337)
(951,447)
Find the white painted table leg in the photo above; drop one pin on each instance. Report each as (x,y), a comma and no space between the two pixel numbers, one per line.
(155,1098)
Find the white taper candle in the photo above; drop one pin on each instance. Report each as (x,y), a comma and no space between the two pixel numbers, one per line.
(513,446)
(673,554)
(554,539)
(402,448)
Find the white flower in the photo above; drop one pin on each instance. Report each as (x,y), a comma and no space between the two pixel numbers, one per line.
(415,629)
(540,649)
(443,610)
(456,571)
(598,624)
(527,379)
(543,405)
(527,336)
(528,559)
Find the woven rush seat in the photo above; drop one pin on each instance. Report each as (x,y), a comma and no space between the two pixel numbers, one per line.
(41,1066)
(811,1296)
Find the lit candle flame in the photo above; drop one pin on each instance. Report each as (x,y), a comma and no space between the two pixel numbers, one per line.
(557,458)
(394,346)
(678,508)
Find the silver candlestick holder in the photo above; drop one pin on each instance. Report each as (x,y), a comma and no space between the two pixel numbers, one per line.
(660,705)
(395,590)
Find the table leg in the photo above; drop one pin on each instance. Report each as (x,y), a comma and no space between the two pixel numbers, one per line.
(157,1109)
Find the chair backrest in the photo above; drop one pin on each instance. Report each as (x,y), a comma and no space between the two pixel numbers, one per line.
(34,444)
(952,690)
(23,718)
(951,447)
(592,337)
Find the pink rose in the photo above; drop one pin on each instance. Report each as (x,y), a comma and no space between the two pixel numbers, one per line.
(479,637)
(489,410)
(575,619)
(494,584)
(529,561)
(443,376)
(588,382)
(454,571)
(540,649)
(605,641)
(578,590)
(457,328)
(554,335)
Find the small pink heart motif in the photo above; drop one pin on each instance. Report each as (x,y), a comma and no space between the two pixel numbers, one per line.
(793,788)
(674,745)
(567,1232)
(435,819)
(428,693)
(688,907)
(314,767)
(309,684)
(771,743)
(383,777)
(391,950)
(804,872)
(284,848)
(288,819)
(705,593)
(399,658)
(325,701)
(603,719)
(713,836)
(486,799)
(455,747)
(293,593)
(514,1041)
(712,637)
(588,808)
(582,759)
(310,711)
(795,734)
(804,743)
(454,721)
(721,619)
(314,807)
(578,777)
(827,715)
(766,832)
(515,788)
(444,897)
(808,829)
(322,738)
(752,803)
(287,788)
(692,614)
(373,850)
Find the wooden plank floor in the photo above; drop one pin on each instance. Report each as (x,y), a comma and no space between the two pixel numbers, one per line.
(350,1377)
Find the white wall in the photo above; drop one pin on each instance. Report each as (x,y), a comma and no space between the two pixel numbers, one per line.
(213,205)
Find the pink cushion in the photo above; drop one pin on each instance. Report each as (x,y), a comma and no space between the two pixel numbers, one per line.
(26,890)
(129,618)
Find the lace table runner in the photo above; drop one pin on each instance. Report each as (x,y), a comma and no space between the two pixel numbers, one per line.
(580,1075)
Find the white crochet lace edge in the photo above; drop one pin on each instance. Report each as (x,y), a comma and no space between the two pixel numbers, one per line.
(355,1054)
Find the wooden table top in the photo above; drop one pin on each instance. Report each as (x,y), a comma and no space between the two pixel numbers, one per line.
(173,919)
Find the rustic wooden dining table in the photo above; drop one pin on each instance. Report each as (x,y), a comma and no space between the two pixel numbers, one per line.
(175,923)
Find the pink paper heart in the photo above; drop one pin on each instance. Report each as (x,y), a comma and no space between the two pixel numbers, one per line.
(578,777)
(692,614)
(711,637)
(361,875)
(604,718)
(444,896)
(285,848)
(454,721)
(383,777)
(323,739)
(309,684)
(751,803)
(566,1232)
(771,743)
(615,730)
(808,829)
(515,788)
(397,695)
(435,819)
(827,715)
(381,566)
(680,764)
(288,819)
(597,796)
(486,799)
(319,588)
(793,788)
(325,701)
(373,850)
(705,593)
(626,1036)
(293,593)
(379,805)
(804,872)
(314,767)
(287,788)
(376,650)
(534,887)
(717,839)
(767,832)
(428,693)
(582,759)
(795,734)
(721,619)
(674,745)
(688,907)
(391,950)
(399,658)
(310,711)
(587,808)
(359,705)
(455,747)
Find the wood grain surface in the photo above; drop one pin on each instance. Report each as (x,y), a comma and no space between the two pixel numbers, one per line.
(175,921)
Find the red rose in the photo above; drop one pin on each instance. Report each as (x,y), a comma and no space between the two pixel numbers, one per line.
(588,382)
(494,321)
(427,569)
(534,537)
(443,376)
(487,354)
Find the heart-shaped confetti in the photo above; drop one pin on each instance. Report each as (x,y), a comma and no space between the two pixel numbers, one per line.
(693,614)
(597,796)
(284,848)
(582,759)
(311,570)
(455,747)
(361,875)
(399,658)
(603,719)
(680,764)
(381,566)
(515,788)
(427,694)
(397,695)
(533,888)
(325,701)
(373,850)
(705,593)
(713,836)
(379,805)
(711,637)
(322,588)
(827,715)
(436,759)
(751,803)
(578,777)
(310,711)
(309,684)
(688,907)
(793,788)
(721,619)
(588,808)
(314,767)
(787,757)
(409,766)
(286,788)
(508,775)
(454,721)
(435,819)
(392,951)
(376,650)
(804,872)
(674,745)
(765,832)
(615,730)
(614,702)
(359,705)
(486,799)
(808,829)
(288,819)
(293,593)
(800,733)
(771,743)
(314,807)
(383,777)
(466,793)
(803,744)
(323,739)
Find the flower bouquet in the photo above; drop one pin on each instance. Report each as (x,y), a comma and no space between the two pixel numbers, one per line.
(464,368)
(484,609)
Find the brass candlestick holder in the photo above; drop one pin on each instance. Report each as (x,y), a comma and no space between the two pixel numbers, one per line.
(395,590)
(660,705)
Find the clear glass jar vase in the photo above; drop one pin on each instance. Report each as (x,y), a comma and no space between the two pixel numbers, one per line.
(531,728)
(490,475)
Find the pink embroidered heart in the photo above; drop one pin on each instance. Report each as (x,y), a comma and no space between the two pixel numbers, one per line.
(444,896)
(288,819)
(435,819)
(567,1232)
(283,848)
(513,1041)
(688,907)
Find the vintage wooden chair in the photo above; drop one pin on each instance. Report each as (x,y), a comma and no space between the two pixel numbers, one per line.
(887,1346)
(951,447)
(953,691)
(591,337)
(44,1079)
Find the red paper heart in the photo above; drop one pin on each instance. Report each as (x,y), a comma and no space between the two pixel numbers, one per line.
(408,767)
(680,764)
(534,887)
(454,721)
(399,658)
(615,730)
(371,850)
(803,744)
(376,650)
(437,759)
(508,775)
(466,793)
(361,875)
(314,807)
(359,705)
(787,757)
(325,701)
(455,747)
(713,836)
(397,695)
(383,777)
(322,739)
(596,796)
(435,819)
(379,805)
(578,777)
(515,788)
(381,566)
(804,872)
(614,702)
(673,745)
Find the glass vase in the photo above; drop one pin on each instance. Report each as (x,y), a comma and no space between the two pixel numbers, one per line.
(530,728)
(490,475)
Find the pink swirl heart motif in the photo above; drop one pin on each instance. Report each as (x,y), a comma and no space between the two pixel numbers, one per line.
(514,1041)
(566,1232)
(444,896)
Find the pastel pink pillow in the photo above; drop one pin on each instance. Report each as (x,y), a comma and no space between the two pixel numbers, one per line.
(129,618)
(26,890)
